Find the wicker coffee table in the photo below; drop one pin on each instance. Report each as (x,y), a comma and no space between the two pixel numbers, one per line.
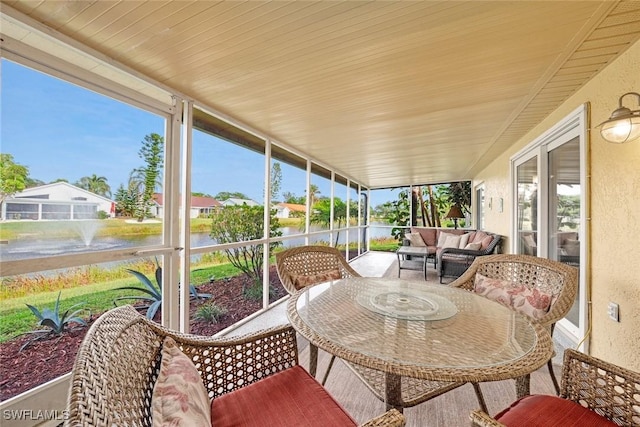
(412,329)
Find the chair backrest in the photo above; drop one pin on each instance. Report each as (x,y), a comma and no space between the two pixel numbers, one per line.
(551,277)
(607,389)
(118,364)
(307,265)
(114,372)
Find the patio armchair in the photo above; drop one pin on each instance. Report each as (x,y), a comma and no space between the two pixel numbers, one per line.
(308,265)
(514,280)
(130,371)
(594,392)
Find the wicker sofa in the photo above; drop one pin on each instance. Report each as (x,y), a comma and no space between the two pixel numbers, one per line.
(252,380)
(451,257)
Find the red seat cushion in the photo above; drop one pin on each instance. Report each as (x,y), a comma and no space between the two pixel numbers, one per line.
(289,398)
(549,411)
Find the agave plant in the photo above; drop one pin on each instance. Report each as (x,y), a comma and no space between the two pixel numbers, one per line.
(153,293)
(54,322)
(193,292)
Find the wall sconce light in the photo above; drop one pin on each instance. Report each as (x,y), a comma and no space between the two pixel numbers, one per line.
(623,125)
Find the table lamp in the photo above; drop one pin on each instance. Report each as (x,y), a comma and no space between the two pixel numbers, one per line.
(455,213)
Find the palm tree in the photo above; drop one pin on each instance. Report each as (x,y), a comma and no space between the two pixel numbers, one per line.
(96,184)
(322,214)
(314,193)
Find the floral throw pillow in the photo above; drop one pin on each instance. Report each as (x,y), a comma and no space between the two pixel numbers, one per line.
(301,280)
(179,397)
(530,302)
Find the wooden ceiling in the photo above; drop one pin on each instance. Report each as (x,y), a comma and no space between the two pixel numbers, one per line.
(386,92)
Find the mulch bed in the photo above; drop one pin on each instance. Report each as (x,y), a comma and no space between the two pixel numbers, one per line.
(51,358)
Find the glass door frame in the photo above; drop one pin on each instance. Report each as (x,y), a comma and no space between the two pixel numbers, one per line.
(574,125)
(525,158)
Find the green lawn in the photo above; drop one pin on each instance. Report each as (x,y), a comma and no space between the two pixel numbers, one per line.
(17,318)
(115,227)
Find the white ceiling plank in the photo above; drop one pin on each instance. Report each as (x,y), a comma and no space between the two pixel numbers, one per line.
(391,92)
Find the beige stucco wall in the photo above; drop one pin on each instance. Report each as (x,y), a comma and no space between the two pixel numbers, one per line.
(615,209)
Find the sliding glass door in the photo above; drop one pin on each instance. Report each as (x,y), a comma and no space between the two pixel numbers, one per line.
(549,212)
(565,205)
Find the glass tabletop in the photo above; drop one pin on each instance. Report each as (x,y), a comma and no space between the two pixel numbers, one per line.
(406,325)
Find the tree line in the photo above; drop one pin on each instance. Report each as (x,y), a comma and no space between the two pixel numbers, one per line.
(136,198)
(425,205)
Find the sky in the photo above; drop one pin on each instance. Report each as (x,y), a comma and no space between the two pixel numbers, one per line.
(59,130)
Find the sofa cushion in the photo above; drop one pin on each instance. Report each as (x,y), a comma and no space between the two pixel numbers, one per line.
(486,242)
(478,237)
(429,235)
(179,396)
(531,302)
(289,398)
(473,246)
(442,238)
(415,239)
(464,240)
(550,411)
(451,241)
(302,280)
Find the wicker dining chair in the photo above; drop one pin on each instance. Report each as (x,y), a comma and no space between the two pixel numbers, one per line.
(119,363)
(308,265)
(555,279)
(608,390)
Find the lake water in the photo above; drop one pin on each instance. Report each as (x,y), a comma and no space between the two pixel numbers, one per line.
(36,248)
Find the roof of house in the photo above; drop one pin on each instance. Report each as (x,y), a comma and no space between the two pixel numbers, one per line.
(292,207)
(43,189)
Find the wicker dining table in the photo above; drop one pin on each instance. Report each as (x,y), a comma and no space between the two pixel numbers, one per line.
(413,329)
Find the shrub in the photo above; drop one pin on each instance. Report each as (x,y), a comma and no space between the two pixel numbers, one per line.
(210,312)
(254,292)
(242,224)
